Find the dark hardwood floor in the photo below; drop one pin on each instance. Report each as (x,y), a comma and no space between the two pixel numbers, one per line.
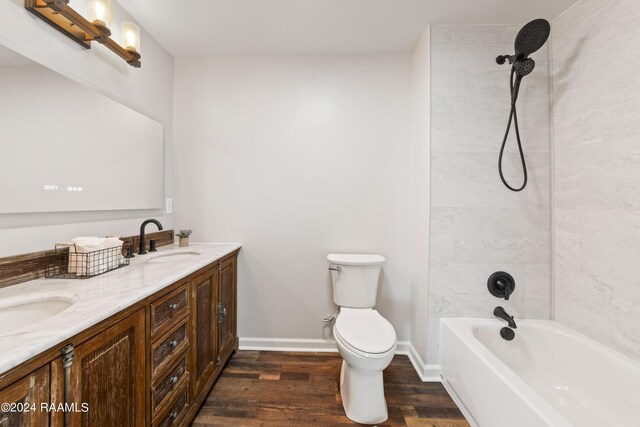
(301,389)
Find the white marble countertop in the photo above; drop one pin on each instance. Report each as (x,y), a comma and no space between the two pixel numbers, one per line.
(97,298)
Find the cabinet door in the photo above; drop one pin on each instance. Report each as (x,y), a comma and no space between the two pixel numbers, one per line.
(30,391)
(108,375)
(227,305)
(203,339)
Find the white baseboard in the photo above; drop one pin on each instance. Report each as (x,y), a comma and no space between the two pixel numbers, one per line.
(426,372)
(288,344)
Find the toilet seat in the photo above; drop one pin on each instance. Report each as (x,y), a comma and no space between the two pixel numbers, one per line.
(365,331)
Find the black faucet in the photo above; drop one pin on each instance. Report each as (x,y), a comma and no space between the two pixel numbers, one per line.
(501,313)
(142,249)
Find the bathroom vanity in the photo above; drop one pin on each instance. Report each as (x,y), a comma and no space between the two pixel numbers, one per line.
(142,345)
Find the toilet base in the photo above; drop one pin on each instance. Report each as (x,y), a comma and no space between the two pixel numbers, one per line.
(362,394)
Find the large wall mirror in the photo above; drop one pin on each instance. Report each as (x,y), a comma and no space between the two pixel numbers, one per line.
(66,148)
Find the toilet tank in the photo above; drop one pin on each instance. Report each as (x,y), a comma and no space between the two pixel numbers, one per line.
(355,279)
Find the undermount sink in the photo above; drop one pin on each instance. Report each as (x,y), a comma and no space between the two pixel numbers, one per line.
(21,312)
(175,256)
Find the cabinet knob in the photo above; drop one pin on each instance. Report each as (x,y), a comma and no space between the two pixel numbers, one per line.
(173,379)
(173,415)
(173,344)
(173,306)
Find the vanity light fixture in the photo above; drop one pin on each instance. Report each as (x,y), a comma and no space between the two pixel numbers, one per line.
(131,37)
(100,14)
(83,31)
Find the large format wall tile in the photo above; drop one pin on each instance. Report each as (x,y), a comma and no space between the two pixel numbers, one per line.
(596,111)
(537,291)
(478,124)
(500,235)
(599,174)
(471,180)
(477,225)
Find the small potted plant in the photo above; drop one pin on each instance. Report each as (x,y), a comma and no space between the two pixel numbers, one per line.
(183,235)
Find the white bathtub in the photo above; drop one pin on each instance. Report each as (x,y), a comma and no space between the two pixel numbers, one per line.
(549,375)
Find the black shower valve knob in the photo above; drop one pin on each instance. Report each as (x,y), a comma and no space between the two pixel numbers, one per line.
(501,285)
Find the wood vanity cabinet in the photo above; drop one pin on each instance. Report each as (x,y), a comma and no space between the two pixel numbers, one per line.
(213,322)
(152,364)
(101,380)
(226,308)
(31,391)
(108,374)
(204,352)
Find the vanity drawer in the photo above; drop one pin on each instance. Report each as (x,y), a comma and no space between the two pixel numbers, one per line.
(174,379)
(167,310)
(167,348)
(176,410)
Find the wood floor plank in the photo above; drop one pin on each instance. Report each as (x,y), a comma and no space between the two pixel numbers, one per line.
(302,389)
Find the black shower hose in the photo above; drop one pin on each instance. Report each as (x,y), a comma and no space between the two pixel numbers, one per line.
(513,116)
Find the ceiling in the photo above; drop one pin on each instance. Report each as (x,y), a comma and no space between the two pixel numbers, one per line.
(307,27)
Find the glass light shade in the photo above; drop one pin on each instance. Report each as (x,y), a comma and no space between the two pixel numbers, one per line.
(130,36)
(100,12)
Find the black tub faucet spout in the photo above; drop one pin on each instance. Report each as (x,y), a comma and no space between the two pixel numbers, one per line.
(501,313)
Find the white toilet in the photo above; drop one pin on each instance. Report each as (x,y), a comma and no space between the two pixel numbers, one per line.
(365,339)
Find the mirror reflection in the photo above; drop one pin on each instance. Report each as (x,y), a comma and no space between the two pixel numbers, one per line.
(66,147)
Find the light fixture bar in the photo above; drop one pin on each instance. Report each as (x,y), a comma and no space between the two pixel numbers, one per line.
(65,19)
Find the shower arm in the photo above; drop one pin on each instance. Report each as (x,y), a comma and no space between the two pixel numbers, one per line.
(501,59)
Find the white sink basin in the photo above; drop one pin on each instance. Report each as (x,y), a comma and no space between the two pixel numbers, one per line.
(21,312)
(175,256)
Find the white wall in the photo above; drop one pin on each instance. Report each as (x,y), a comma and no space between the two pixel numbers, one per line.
(148,90)
(297,157)
(478,226)
(420,158)
(596,116)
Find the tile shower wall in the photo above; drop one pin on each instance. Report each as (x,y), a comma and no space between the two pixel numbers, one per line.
(596,65)
(477,225)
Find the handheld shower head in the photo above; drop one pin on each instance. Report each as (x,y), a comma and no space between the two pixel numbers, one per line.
(529,39)
(524,67)
(532,37)
(520,69)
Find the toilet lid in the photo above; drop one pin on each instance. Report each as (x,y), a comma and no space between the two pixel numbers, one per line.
(365,330)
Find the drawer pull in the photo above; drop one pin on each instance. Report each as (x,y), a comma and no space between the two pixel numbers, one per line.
(173,306)
(173,415)
(173,344)
(173,379)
